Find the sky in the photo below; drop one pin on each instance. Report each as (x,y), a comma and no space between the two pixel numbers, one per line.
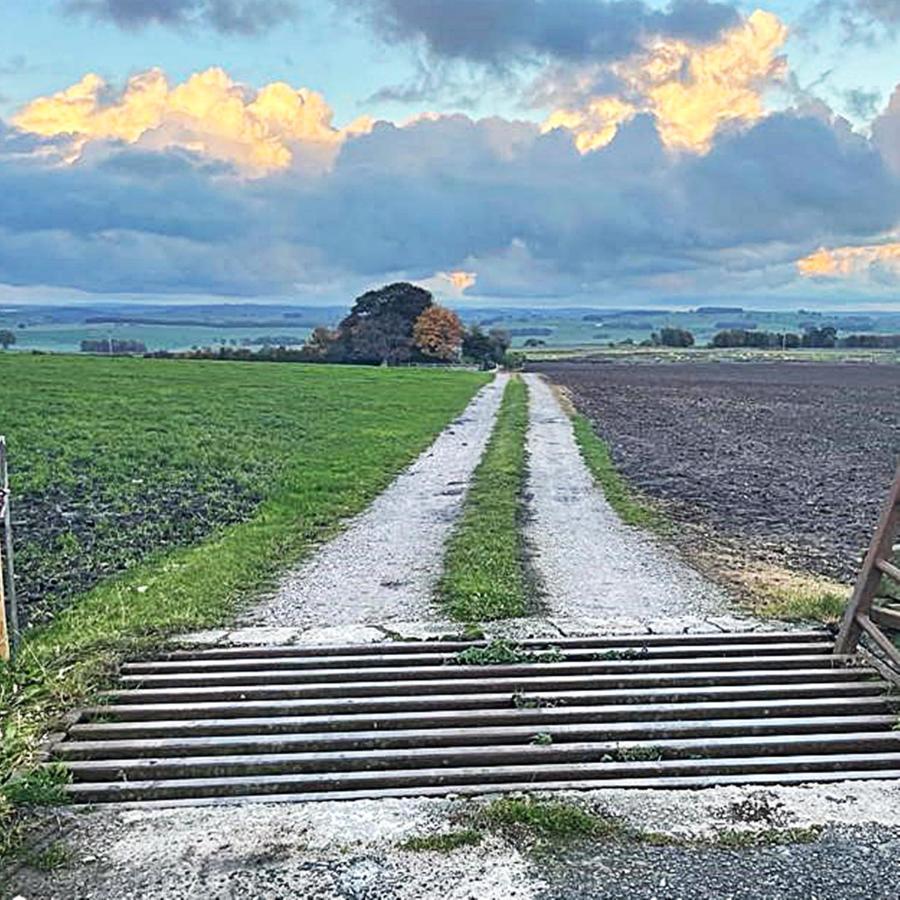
(506,152)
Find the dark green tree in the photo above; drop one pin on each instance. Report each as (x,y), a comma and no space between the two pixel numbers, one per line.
(674,337)
(379,327)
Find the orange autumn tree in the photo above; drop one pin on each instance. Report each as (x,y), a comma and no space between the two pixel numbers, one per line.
(438,333)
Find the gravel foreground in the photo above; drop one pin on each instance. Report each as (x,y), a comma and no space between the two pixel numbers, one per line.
(385,564)
(589,561)
(351,851)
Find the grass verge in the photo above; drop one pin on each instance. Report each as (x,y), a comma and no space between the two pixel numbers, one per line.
(336,435)
(629,506)
(790,596)
(485,573)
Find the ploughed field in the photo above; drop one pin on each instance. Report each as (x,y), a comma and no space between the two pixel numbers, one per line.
(790,460)
(116,462)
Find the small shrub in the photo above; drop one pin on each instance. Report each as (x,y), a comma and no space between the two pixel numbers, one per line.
(634,754)
(54,857)
(627,653)
(741,839)
(443,843)
(44,786)
(501,652)
(549,819)
(513,360)
(521,700)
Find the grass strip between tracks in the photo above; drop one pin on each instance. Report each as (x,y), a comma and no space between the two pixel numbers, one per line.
(485,569)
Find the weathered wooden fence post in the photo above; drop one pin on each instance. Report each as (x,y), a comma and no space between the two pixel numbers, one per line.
(9,617)
(878,563)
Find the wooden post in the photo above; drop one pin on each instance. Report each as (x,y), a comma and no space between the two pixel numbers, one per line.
(9,617)
(4,630)
(856,615)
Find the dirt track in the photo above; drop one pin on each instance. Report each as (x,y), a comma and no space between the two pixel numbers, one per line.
(790,459)
(590,563)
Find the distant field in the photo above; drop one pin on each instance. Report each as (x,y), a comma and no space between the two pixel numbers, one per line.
(790,460)
(115,460)
(181,327)
(708,355)
(67,338)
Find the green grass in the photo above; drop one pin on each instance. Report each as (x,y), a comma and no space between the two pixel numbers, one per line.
(57,856)
(485,573)
(551,822)
(305,446)
(630,508)
(500,652)
(443,843)
(44,786)
(803,606)
(545,819)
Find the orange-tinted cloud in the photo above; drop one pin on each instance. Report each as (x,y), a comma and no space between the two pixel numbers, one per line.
(460,281)
(209,114)
(844,262)
(691,90)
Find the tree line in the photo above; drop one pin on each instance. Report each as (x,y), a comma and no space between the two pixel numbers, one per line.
(825,337)
(398,324)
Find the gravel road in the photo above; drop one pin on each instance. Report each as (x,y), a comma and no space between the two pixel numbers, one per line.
(589,561)
(384,565)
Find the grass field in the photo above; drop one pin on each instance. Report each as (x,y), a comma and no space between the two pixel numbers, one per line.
(153,496)
(485,574)
(67,338)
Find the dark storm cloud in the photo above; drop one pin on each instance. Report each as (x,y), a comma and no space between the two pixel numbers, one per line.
(503,31)
(886,132)
(228,16)
(525,210)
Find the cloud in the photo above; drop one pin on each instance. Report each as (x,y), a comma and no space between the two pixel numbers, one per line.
(886,131)
(693,91)
(249,17)
(258,131)
(525,210)
(861,21)
(502,32)
(845,262)
(459,281)
(861,103)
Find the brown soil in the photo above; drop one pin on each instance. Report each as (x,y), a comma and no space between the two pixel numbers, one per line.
(791,461)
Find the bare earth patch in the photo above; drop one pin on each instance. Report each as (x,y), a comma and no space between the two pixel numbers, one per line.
(790,461)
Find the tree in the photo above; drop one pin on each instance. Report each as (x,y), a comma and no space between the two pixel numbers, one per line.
(819,337)
(674,337)
(379,327)
(485,349)
(381,339)
(438,333)
(7,338)
(321,345)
